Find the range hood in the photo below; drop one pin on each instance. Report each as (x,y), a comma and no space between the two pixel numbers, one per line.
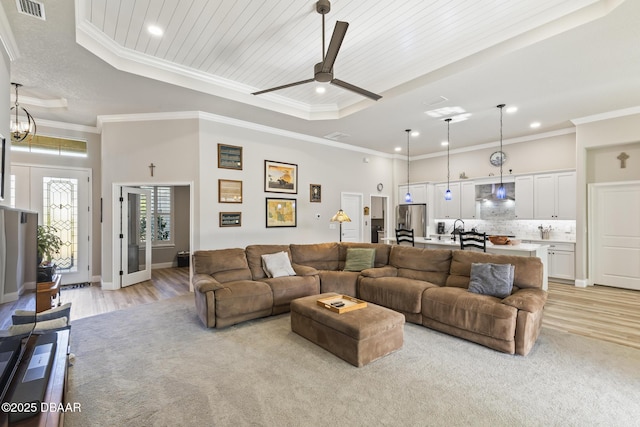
(487,192)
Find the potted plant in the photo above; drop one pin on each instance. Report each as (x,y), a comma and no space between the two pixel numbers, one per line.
(48,244)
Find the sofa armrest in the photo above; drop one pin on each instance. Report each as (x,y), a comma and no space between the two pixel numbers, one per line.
(304,270)
(531,300)
(204,283)
(386,271)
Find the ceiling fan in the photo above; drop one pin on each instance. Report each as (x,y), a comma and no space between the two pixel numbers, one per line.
(323,71)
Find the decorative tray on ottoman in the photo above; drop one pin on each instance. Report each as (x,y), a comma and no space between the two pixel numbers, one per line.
(341,303)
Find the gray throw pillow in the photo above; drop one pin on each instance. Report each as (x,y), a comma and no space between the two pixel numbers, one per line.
(21,317)
(359,259)
(277,265)
(492,279)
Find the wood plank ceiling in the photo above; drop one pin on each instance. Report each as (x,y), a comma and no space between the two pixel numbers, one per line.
(252,45)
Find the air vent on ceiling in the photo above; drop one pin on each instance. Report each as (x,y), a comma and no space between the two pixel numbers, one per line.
(31,8)
(337,135)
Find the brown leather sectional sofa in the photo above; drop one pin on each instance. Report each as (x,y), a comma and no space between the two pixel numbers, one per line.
(428,286)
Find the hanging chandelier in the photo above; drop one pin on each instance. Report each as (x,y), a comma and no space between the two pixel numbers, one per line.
(22,123)
(501,193)
(447,194)
(407,197)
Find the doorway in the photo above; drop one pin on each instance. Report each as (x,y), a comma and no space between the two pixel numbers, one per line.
(379,209)
(614,230)
(61,197)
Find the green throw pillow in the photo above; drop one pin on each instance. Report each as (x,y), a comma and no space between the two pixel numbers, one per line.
(359,259)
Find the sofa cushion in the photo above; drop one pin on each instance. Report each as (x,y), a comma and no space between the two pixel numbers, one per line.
(359,259)
(342,282)
(321,256)
(286,289)
(225,265)
(528,270)
(481,314)
(429,265)
(491,279)
(277,265)
(242,296)
(254,258)
(20,317)
(398,293)
(382,252)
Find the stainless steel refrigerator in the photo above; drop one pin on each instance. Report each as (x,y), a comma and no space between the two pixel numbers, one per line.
(413,216)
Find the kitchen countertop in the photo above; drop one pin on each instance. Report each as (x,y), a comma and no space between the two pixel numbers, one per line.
(522,247)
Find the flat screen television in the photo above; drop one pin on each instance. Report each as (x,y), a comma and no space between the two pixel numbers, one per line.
(18,276)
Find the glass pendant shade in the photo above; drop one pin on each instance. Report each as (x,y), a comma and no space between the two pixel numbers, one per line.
(501,193)
(408,198)
(447,194)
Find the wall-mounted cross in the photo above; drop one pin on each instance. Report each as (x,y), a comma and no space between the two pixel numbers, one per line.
(151,167)
(623,159)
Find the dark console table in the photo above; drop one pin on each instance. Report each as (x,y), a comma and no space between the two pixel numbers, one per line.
(56,389)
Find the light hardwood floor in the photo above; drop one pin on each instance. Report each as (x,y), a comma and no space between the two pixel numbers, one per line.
(599,312)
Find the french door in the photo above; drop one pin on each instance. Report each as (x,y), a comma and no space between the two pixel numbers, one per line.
(62,198)
(134,236)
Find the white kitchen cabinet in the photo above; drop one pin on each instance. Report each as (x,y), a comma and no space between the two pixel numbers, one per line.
(468,205)
(562,261)
(418,193)
(447,208)
(524,197)
(554,196)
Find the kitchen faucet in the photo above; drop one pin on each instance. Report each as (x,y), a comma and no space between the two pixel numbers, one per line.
(457,230)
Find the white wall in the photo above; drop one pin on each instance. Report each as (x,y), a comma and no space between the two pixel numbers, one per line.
(335,169)
(595,139)
(128,148)
(537,155)
(185,150)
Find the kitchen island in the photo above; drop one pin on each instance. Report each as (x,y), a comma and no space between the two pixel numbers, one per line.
(522,249)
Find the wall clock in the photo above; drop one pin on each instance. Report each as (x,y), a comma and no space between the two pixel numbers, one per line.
(498,158)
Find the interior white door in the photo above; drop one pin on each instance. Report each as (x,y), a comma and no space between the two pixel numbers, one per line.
(615,237)
(352,205)
(134,236)
(61,198)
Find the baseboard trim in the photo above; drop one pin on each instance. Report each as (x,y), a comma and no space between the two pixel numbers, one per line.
(581,283)
(109,286)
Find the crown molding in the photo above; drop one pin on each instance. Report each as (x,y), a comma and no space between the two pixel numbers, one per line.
(7,38)
(607,116)
(67,126)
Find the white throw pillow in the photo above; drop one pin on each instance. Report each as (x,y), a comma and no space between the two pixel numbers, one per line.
(277,265)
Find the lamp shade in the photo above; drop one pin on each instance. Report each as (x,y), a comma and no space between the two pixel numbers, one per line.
(340,216)
(447,194)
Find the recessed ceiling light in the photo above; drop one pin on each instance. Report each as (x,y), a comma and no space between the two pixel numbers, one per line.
(444,143)
(534,125)
(398,148)
(511,109)
(415,133)
(321,89)
(154,30)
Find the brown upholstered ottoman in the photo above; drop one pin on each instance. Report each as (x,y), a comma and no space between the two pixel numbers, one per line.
(359,336)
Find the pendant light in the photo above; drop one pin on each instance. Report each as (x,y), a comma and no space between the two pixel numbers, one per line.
(447,194)
(502,192)
(21,127)
(407,197)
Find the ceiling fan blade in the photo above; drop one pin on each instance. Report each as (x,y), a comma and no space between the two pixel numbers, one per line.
(282,87)
(356,89)
(334,45)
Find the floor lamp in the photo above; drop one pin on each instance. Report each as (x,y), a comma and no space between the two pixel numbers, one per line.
(341,217)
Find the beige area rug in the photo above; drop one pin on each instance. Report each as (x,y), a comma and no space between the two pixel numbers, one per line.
(156,365)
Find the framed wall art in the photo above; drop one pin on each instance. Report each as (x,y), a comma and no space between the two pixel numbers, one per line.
(229,157)
(315,193)
(281,212)
(230,219)
(280,177)
(229,191)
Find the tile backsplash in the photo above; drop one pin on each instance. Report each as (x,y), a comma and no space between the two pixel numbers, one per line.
(522,229)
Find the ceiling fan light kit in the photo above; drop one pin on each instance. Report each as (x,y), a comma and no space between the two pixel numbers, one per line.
(323,71)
